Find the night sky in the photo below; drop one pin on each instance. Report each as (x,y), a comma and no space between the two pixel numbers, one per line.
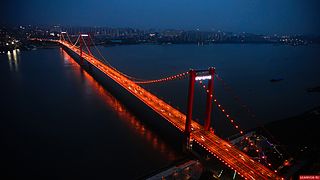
(257,16)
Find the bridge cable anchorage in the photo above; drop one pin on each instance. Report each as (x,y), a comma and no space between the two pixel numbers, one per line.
(237,127)
(169,78)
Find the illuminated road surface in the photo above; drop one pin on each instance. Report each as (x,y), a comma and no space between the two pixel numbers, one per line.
(228,154)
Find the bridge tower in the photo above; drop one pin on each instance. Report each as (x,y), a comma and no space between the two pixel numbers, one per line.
(192,78)
(82,42)
(89,43)
(61,37)
(209,99)
(81,47)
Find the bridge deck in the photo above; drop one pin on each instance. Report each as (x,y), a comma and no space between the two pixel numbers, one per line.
(230,155)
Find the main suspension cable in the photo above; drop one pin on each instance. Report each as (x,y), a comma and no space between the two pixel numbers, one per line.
(235,125)
(169,78)
(137,80)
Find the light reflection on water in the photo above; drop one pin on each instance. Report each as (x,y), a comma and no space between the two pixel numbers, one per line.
(13,59)
(130,120)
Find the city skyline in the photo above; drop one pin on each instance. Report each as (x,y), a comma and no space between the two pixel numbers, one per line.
(268,17)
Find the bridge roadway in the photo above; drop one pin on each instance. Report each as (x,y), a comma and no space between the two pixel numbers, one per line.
(225,152)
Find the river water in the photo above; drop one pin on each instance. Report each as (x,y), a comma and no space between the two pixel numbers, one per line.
(246,69)
(58,121)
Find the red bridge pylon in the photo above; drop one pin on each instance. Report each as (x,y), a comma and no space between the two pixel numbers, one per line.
(199,75)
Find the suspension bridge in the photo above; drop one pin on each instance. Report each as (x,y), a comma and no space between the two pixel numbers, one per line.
(194,132)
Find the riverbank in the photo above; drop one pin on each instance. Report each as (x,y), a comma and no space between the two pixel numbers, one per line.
(300,137)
